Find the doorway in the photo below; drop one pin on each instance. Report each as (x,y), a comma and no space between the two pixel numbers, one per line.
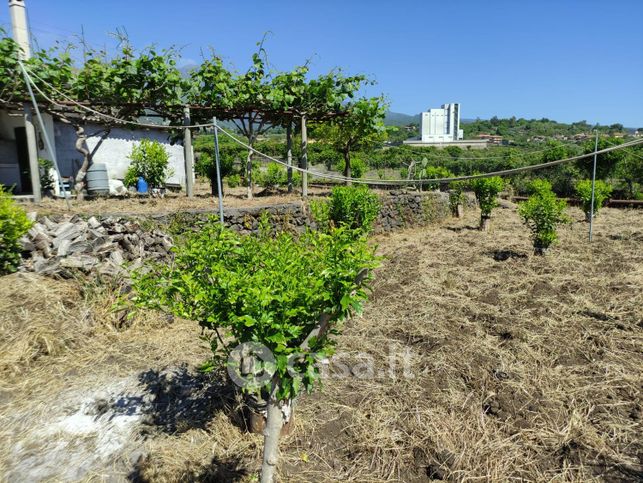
(23,161)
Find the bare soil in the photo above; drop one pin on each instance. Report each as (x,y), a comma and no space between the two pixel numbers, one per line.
(474,360)
(171,202)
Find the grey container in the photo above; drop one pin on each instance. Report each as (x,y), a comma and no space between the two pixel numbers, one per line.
(97,179)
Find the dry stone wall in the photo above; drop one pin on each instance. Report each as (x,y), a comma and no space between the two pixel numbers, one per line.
(112,245)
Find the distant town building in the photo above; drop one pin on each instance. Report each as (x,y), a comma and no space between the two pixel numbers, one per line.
(492,138)
(441,125)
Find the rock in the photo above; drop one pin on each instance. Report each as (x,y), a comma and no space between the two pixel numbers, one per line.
(116,257)
(46,267)
(63,248)
(94,223)
(27,244)
(83,262)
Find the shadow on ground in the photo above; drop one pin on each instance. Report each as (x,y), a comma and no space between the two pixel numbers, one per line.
(216,471)
(503,255)
(175,400)
(459,229)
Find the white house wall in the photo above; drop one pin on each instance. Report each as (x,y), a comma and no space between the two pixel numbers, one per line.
(114,151)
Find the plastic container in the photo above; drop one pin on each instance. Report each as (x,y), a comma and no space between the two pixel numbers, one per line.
(97,179)
(141,185)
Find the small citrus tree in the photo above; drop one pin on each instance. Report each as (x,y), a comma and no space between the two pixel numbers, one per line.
(285,293)
(353,208)
(542,213)
(150,161)
(486,191)
(456,198)
(13,225)
(602,192)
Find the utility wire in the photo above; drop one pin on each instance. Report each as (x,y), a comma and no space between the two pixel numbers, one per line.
(429,180)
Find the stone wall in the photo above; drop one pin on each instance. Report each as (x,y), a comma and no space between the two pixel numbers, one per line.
(287,216)
(403,209)
(106,245)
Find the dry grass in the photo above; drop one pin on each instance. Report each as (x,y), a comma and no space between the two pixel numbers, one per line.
(524,369)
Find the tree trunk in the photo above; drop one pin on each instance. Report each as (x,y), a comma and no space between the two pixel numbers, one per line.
(81,147)
(274,423)
(249,173)
(347,167)
(484,222)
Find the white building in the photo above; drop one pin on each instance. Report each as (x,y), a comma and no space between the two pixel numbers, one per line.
(441,125)
(111,147)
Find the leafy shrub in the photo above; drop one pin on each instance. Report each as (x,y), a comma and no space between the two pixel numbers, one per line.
(46,180)
(13,225)
(602,192)
(353,207)
(215,279)
(275,175)
(456,196)
(206,167)
(425,170)
(486,191)
(150,161)
(539,186)
(435,172)
(234,180)
(542,213)
(358,167)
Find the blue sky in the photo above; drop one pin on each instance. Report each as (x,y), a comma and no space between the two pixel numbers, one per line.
(566,60)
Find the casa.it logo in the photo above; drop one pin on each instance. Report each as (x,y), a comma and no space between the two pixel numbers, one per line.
(251,365)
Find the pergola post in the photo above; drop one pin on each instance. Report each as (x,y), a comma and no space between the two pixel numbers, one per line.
(32,150)
(188,154)
(304,157)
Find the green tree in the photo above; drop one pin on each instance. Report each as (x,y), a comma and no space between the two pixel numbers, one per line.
(606,162)
(543,213)
(362,127)
(630,170)
(150,161)
(283,293)
(486,191)
(602,192)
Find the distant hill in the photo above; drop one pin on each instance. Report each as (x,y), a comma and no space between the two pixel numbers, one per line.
(399,119)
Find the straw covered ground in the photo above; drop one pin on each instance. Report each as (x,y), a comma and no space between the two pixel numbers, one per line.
(473,361)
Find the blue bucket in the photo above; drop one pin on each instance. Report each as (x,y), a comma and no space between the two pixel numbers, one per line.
(141,185)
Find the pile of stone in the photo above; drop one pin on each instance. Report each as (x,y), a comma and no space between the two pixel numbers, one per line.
(108,246)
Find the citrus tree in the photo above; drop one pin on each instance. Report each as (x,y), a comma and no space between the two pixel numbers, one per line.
(602,192)
(486,191)
(360,128)
(543,212)
(149,160)
(279,298)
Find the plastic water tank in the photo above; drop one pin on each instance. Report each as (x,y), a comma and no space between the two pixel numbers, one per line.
(97,179)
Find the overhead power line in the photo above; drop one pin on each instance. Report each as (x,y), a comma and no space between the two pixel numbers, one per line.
(504,172)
